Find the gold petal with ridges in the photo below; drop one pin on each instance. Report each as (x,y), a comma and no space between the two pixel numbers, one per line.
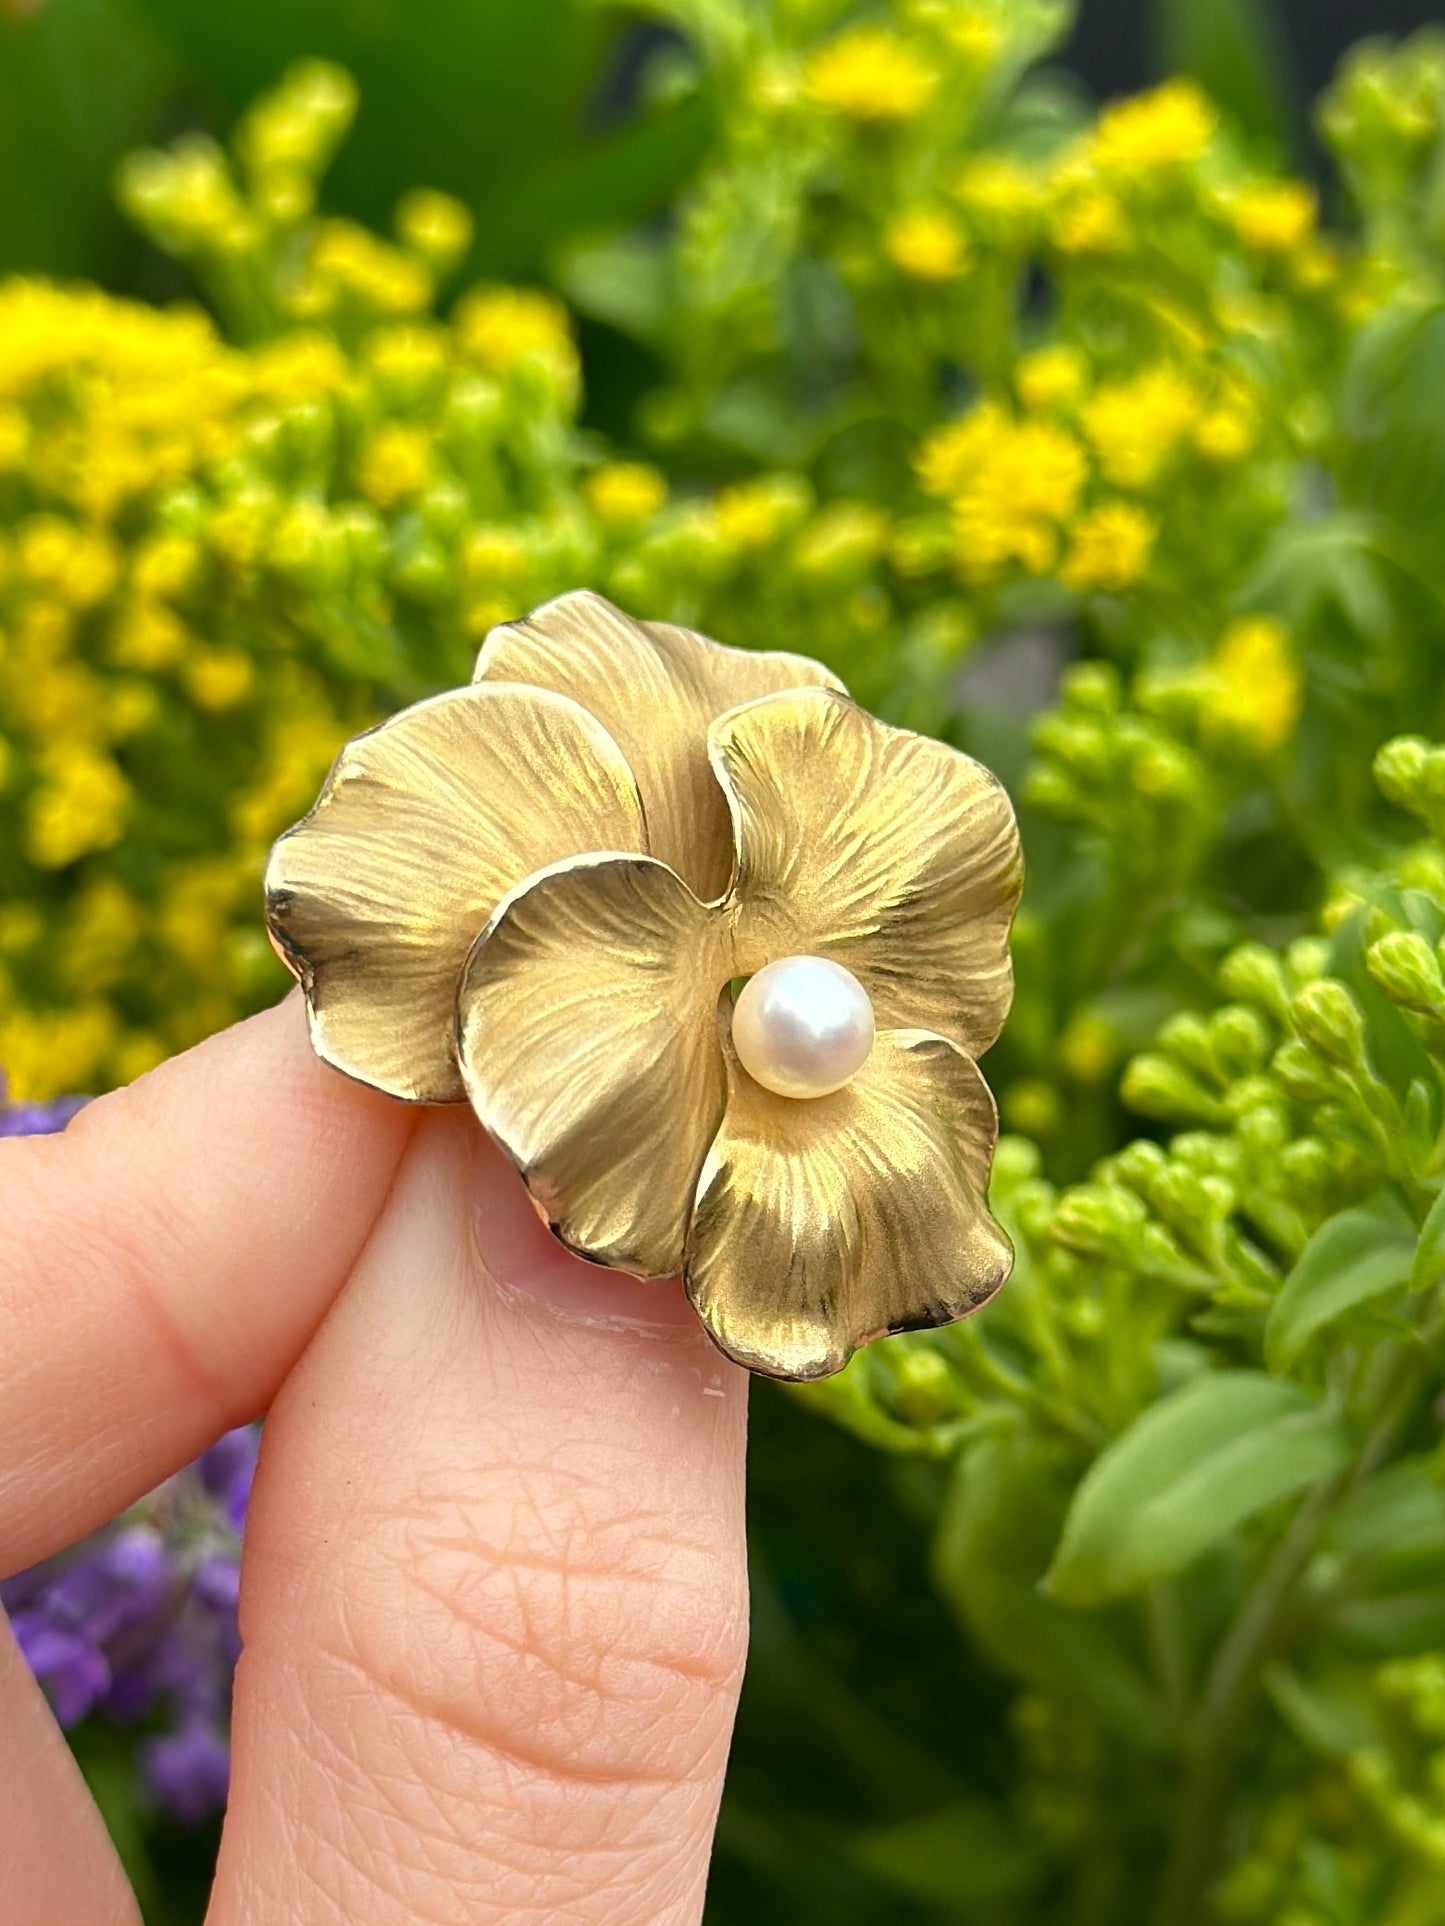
(589,1045)
(655,688)
(822,1224)
(422,827)
(893,853)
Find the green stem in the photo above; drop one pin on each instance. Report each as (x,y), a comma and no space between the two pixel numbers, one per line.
(1168,1647)
(1226,1704)
(1222,1716)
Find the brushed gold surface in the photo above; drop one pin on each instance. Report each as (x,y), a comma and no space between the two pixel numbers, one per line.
(589,1045)
(821,1225)
(536,892)
(892,853)
(655,688)
(424,823)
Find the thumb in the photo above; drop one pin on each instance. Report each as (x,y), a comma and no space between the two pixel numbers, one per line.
(494,1593)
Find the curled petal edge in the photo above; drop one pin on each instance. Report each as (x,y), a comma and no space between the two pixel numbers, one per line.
(821,1225)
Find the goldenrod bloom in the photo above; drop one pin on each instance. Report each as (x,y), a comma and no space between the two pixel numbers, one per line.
(1109,547)
(1254,684)
(623,494)
(926,245)
(1137,424)
(1168,128)
(869,74)
(1052,378)
(396,463)
(1012,484)
(1275,217)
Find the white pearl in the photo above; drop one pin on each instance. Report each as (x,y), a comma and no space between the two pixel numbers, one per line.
(803,1026)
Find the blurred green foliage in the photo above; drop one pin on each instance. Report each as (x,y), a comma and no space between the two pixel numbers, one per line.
(505,105)
(1074,436)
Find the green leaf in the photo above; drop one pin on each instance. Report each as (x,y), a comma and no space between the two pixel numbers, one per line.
(1359,1259)
(1389,1537)
(1184,1475)
(1331,1711)
(626,282)
(967,1854)
(1396,1626)
(999,1522)
(1236,52)
(1429,1265)
(490,102)
(81,81)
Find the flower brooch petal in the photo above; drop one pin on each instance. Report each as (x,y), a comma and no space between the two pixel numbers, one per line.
(712,953)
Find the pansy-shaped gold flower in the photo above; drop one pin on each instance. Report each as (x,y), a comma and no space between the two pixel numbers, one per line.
(711,951)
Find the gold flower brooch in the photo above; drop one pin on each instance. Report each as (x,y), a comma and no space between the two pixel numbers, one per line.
(712,953)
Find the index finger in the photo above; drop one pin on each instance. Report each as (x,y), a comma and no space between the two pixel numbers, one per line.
(164,1261)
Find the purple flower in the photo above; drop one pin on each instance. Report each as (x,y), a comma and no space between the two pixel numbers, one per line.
(35,1119)
(188,1771)
(138,1625)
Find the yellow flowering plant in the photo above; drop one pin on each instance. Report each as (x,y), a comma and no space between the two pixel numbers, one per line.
(1105,450)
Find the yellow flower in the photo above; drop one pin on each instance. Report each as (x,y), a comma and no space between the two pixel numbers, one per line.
(1089,222)
(1168,128)
(104,928)
(396,464)
(926,245)
(1274,217)
(1225,435)
(1136,425)
(77,565)
(164,565)
(14,439)
(493,555)
(842,543)
(301,367)
(949,458)
(303,743)
(1254,684)
(148,636)
(624,494)
(1000,194)
(1033,1107)
(128,707)
(1013,498)
(196,911)
(350,267)
(408,358)
(756,514)
(435,226)
(869,74)
(53,1053)
(1052,378)
(1013,485)
(240,526)
(1110,547)
(977,37)
(501,328)
(220,678)
(1314,265)
(486,612)
(1089,1048)
(80,805)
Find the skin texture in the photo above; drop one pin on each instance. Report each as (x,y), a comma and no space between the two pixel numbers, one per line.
(493,1592)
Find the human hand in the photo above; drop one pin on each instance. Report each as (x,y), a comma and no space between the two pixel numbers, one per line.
(493,1594)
